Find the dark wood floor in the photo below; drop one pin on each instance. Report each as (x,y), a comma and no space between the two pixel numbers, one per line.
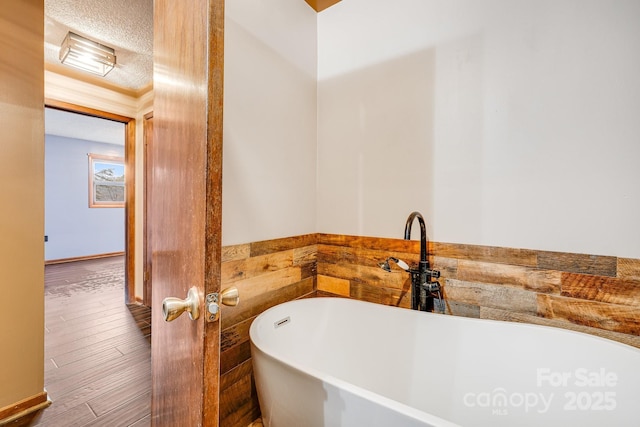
(97,349)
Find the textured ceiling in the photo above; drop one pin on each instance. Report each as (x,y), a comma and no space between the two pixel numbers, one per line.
(125,25)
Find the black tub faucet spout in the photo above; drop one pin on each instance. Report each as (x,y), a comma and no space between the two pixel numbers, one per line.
(423,288)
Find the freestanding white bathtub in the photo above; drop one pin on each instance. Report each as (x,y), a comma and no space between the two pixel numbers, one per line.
(339,362)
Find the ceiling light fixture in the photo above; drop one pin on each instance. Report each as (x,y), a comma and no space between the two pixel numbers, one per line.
(87,55)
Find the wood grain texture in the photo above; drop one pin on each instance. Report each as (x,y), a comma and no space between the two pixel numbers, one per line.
(23,411)
(236,252)
(233,357)
(544,281)
(147,244)
(380,295)
(361,256)
(214,29)
(268,282)
(361,264)
(243,269)
(186,205)
(279,245)
(522,257)
(601,288)
(448,267)
(373,243)
(456,308)
(239,402)
(486,295)
(578,263)
(610,317)
(334,285)
(629,268)
(355,273)
(511,316)
(235,334)
(130,211)
(306,257)
(67,106)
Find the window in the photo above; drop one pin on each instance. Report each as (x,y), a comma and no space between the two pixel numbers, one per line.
(106,181)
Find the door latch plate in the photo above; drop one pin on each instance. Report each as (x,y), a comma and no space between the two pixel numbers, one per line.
(213,308)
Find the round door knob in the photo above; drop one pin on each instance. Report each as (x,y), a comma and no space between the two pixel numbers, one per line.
(230,296)
(173,307)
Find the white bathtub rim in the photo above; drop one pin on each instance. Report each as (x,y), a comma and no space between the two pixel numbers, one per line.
(386,402)
(462,319)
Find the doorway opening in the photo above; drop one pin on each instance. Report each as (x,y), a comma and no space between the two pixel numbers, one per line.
(129,185)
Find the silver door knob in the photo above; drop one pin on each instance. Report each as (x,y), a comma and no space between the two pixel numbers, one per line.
(172,307)
(229,296)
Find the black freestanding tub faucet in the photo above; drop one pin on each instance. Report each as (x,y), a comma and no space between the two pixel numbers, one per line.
(423,288)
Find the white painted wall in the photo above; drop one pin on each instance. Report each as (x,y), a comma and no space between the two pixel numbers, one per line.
(73,228)
(269,159)
(507,123)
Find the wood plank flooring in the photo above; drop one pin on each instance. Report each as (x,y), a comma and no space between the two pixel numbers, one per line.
(97,349)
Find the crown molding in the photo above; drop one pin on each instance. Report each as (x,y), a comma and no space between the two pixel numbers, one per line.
(96,81)
(67,89)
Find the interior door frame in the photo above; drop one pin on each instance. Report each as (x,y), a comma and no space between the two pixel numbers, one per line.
(129,185)
(147,278)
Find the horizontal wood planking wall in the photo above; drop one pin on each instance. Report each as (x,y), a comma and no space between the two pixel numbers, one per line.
(266,274)
(599,295)
(594,294)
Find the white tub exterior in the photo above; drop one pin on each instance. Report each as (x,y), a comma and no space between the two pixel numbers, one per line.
(340,362)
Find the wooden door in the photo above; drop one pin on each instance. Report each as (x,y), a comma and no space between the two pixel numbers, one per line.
(186,206)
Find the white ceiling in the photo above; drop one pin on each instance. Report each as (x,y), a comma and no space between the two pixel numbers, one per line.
(125,25)
(79,126)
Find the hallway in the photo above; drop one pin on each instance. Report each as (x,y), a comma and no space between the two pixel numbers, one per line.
(97,349)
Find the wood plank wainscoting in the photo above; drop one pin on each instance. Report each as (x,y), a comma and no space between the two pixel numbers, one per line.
(266,274)
(599,295)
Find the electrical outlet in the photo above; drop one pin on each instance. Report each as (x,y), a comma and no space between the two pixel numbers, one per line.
(46,238)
